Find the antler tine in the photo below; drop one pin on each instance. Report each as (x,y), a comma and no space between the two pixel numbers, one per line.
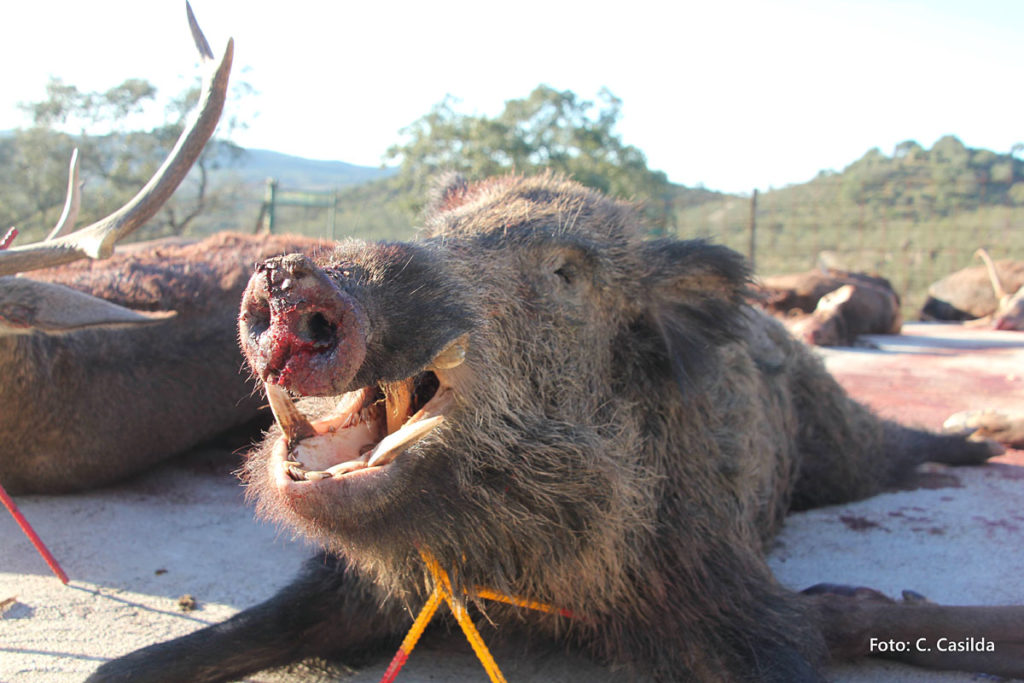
(98,240)
(197,35)
(993,276)
(73,202)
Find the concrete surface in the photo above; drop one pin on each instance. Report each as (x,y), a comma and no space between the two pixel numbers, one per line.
(133,550)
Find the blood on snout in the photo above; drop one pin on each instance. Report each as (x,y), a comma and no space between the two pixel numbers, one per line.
(300,330)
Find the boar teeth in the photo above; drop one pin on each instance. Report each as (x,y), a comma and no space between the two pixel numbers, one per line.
(346,467)
(452,356)
(394,444)
(317,476)
(294,425)
(398,401)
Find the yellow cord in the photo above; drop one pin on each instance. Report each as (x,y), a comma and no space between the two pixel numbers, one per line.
(461,616)
(475,640)
(443,589)
(488,594)
(413,636)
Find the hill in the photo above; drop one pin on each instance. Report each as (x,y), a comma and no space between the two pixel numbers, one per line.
(256,165)
(913,216)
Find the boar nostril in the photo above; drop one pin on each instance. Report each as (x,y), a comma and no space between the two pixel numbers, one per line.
(317,329)
(256,318)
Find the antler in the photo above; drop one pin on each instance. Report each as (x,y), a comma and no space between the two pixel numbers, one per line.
(993,276)
(97,240)
(72,204)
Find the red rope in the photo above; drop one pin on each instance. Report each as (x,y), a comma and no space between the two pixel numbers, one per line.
(32,535)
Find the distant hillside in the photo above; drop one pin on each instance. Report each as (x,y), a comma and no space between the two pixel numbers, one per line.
(256,165)
(913,216)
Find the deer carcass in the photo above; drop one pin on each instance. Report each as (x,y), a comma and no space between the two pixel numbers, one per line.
(990,293)
(111,365)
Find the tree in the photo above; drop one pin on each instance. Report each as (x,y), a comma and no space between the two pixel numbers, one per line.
(114,164)
(909,150)
(548,129)
(949,150)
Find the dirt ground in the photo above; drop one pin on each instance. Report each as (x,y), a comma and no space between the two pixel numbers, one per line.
(133,550)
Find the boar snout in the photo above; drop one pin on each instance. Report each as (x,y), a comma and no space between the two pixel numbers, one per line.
(300,330)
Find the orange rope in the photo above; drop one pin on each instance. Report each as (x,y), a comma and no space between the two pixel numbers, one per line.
(443,590)
(488,594)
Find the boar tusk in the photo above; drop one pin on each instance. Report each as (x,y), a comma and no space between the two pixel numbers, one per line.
(452,356)
(394,444)
(293,423)
(398,401)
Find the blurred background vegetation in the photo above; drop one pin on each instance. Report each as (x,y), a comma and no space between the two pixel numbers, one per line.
(913,215)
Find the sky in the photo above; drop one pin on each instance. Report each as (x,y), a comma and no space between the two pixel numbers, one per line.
(732,94)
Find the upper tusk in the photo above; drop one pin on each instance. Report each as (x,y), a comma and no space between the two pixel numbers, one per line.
(293,423)
(452,356)
(397,401)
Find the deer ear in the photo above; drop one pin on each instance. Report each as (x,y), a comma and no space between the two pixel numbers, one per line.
(837,297)
(695,301)
(29,305)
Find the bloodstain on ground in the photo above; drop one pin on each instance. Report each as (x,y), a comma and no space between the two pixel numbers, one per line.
(929,372)
(858,523)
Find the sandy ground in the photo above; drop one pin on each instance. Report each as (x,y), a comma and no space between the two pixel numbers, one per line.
(132,551)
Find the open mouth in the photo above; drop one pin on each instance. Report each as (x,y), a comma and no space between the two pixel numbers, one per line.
(368,429)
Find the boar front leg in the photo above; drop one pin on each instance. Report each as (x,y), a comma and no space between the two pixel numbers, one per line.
(861,622)
(326,611)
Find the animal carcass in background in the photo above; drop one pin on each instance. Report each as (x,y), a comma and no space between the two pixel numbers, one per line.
(831,307)
(110,365)
(988,293)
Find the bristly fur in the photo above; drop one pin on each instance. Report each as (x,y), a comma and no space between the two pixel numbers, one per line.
(648,504)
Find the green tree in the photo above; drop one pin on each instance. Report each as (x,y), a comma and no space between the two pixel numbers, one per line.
(548,129)
(114,164)
(950,151)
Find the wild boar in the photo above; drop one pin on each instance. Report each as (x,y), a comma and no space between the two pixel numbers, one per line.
(801,292)
(552,407)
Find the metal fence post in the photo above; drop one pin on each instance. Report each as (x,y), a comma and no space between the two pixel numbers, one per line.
(752,230)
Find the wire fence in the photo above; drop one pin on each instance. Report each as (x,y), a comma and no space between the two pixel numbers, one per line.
(912,242)
(913,233)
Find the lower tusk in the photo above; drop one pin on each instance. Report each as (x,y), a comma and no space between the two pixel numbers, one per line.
(394,444)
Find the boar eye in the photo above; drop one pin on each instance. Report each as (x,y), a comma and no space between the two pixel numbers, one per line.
(565,273)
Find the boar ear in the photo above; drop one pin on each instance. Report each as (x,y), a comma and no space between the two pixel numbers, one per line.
(29,305)
(695,294)
(446,192)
